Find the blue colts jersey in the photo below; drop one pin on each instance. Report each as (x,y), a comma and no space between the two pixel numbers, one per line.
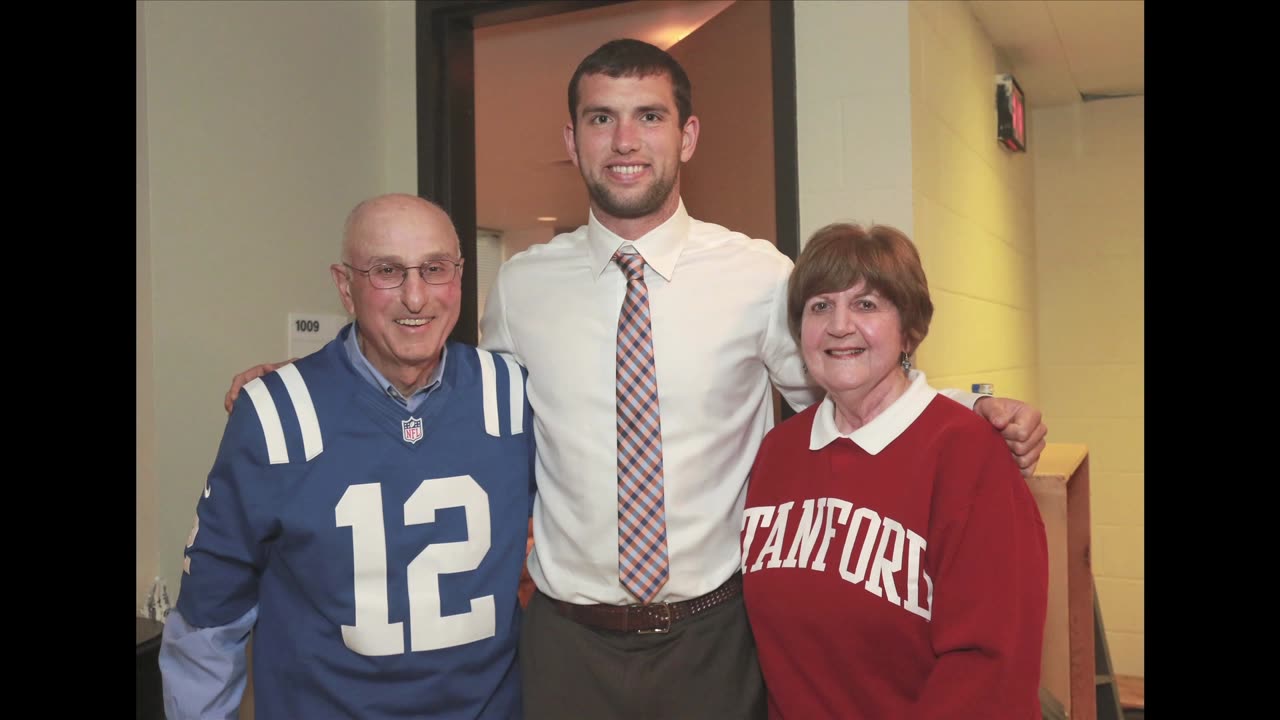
(383,547)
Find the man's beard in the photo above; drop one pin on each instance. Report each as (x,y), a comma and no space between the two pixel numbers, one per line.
(648,202)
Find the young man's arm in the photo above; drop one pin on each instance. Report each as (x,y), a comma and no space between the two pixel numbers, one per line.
(1020,424)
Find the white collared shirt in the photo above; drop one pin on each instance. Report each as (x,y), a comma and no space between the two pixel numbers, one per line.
(884,428)
(718,305)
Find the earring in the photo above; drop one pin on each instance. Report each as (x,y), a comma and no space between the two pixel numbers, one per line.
(905,362)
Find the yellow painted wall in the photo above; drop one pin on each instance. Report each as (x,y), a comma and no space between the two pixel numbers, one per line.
(973,205)
(1090,223)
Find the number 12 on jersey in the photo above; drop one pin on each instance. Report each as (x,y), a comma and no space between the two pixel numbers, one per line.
(361,510)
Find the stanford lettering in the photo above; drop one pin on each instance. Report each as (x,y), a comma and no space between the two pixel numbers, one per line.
(889,558)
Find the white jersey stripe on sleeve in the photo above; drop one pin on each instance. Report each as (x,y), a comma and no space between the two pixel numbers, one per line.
(516,381)
(312,443)
(277,453)
(490,387)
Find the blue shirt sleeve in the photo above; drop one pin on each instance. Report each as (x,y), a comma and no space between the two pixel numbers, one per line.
(203,670)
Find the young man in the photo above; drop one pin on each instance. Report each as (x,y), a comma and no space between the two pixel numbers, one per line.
(651,340)
(366,512)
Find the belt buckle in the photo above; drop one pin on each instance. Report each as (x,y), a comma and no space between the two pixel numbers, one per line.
(657,630)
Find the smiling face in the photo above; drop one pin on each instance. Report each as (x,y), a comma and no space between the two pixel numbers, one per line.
(856,300)
(402,330)
(627,141)
(852,342)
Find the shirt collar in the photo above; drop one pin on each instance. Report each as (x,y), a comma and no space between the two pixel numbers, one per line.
(370,373)
(884,428)
(661,246)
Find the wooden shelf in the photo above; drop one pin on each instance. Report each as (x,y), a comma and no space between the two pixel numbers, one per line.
(1061,460)
(1061,489)
(1132,692)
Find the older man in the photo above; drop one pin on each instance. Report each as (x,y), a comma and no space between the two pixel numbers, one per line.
(366,512)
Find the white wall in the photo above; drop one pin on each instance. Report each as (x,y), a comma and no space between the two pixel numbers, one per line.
(853,100)
(260,124)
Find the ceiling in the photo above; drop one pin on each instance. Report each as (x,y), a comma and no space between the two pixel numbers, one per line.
(1060,51)
(1065,50)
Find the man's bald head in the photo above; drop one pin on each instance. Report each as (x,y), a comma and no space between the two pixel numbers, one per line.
(372,216)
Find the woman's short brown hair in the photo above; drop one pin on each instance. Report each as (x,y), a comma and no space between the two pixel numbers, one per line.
(840,255)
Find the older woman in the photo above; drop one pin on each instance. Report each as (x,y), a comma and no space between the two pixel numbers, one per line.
(894,560)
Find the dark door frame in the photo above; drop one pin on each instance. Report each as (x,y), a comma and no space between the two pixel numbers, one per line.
(446,117)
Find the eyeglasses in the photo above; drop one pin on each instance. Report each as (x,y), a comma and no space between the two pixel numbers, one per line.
(388,276)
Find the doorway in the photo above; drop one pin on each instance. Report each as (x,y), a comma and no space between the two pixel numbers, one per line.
(447,120)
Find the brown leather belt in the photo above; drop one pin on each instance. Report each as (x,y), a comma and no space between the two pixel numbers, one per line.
(651,618)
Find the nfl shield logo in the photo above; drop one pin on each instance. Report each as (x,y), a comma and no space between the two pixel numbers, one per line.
(411,430)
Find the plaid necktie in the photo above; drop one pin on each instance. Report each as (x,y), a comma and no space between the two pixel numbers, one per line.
(642,516)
